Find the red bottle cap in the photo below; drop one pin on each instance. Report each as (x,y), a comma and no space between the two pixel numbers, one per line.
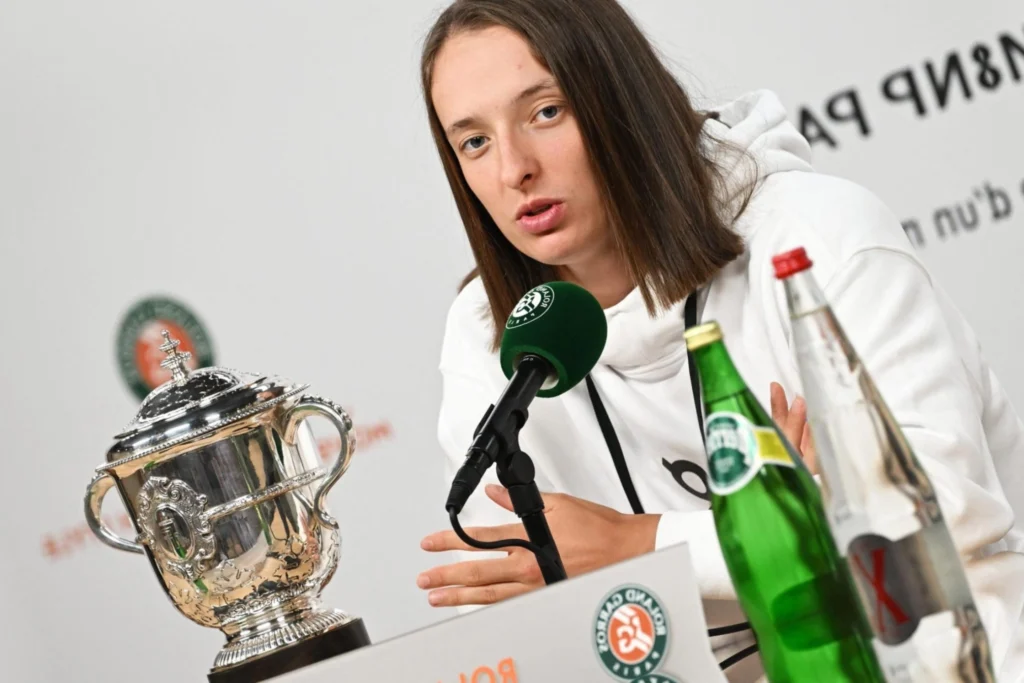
(790,263)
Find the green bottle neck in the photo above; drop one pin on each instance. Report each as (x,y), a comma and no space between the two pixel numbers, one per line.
(719,378)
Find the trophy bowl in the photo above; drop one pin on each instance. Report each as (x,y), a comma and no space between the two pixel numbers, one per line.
(222,479)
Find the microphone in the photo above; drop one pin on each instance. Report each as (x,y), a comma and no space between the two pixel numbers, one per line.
(552,339)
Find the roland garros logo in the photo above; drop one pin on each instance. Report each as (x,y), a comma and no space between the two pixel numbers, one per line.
(139,338)
(631,635)
(533,305)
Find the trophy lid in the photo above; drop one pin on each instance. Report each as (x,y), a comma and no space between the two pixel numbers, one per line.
(193,403)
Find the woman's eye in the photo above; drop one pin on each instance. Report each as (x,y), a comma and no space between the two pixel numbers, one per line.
(474,143)
(549,112)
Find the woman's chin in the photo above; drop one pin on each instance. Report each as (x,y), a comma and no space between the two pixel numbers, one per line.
(557,260)
(553,249)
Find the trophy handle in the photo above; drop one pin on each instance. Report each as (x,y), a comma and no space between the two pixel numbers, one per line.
(98,488)
(316,405)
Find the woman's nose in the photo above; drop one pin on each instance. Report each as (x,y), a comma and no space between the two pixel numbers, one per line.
(518,163)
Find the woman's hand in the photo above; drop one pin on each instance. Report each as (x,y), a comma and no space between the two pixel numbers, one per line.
(792,420)
(589,536)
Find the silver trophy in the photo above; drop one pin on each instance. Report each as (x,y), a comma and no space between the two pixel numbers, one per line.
(222,478)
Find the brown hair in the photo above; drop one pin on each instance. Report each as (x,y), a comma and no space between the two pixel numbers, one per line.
(641,132)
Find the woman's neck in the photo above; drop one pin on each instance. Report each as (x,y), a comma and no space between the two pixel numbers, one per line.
(606,277)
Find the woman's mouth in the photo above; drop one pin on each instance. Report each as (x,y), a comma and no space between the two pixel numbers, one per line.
(542,218)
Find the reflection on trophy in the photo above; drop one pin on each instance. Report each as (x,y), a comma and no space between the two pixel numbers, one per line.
(221,476)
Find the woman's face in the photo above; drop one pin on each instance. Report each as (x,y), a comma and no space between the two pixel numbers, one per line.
(519,146)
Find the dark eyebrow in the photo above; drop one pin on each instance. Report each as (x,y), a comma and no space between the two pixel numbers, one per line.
(546,84)
(469,121)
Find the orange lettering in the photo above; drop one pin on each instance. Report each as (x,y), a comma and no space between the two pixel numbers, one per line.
(491,678)
(380,431)
(51,548)
(507,671)
(328,447)
(366,435)
(75,537)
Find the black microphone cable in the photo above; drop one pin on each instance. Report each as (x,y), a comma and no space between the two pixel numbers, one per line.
(490,545)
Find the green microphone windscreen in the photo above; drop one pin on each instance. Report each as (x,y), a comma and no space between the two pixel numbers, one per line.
(560,322)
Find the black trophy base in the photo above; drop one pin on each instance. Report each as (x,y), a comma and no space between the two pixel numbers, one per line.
(337,641)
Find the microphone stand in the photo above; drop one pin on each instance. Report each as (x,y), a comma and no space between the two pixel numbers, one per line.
(516,473)
(497,440)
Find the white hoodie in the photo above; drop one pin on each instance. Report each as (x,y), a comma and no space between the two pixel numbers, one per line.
(920,352)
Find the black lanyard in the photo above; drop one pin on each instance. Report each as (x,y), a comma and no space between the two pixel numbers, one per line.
(612,439)
(615,448)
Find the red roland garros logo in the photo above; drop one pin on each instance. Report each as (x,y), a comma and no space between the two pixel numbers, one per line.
(139,338)
(631,635)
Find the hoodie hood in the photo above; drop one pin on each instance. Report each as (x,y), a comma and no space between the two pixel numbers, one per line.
(751,140)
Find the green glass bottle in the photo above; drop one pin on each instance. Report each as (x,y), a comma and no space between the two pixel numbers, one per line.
(788,575)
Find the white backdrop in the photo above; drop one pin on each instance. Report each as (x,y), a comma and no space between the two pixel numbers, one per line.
(268,165)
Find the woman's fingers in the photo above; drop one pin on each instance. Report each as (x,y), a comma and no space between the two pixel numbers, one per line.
(779,405)
(476,595)
(508,569)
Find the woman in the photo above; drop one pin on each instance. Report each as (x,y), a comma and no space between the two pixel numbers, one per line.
(573,154)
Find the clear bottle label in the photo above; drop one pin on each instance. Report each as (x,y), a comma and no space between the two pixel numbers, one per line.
(737,450)
(901,582)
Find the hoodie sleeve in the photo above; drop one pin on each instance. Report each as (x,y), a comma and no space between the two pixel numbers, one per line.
(697,528)
(886,303)
(894,317)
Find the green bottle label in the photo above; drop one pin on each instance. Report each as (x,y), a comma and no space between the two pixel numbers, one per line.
(737,449)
